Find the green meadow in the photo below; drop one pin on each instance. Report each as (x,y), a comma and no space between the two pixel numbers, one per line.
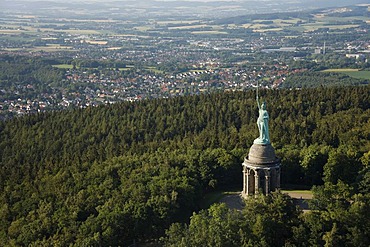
(355,73)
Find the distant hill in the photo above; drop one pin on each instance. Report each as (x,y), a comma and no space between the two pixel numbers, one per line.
(134,9)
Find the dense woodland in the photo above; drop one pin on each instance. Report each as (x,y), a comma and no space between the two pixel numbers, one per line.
(314,79)
(22,71)
(113,174)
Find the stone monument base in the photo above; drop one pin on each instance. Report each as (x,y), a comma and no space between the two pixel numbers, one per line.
(261,170)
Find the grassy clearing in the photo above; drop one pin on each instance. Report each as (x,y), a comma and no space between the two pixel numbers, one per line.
(289,21)
(51,48)
(97,42)
(298,194)
(63,66)
(355,73)
(359,74)
(67,31)
(268,30)
(188,27)
(34,30)
(216,196)
(6,31)
(208,32)
(197,70)
(340,70)
(76,31)
(254,26)
(154,69)
(306,192)
(211,198)
(143,28)
(13,49)
(312,27)
(114,48)
(177,22)
(94,20)
(335,19)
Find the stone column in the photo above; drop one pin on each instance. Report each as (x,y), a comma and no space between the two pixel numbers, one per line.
(244,180)
(256,182)
(247,185)
(278,178)
(267,181)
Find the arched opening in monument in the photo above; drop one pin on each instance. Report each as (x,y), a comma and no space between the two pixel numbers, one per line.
(262,183)
(273,179)
(251,182)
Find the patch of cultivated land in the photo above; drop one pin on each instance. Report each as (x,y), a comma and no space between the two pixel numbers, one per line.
(355,73)
(208,32)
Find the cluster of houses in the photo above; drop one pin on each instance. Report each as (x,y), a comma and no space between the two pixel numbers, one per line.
(83,87)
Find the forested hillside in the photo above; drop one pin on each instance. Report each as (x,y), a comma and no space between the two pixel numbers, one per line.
(111,174)
(315,79)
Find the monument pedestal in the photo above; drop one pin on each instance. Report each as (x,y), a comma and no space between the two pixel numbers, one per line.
(261,170)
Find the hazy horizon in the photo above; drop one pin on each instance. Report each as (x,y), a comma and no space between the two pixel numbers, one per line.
(159,8)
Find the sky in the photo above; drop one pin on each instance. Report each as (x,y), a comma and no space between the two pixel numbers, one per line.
(152,0)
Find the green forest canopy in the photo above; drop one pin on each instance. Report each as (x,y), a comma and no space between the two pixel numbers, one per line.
(111,174)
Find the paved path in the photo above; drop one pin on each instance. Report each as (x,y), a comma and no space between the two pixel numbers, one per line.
(233,201)
(298,195)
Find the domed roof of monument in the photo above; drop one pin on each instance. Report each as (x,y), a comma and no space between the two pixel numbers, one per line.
(262,153)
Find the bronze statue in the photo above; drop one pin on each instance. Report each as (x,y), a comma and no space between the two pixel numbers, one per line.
(262,123)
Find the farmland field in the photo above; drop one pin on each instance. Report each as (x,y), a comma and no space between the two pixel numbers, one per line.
(208,32)
(63,66)
(355,73)
(317,25)
(359,74)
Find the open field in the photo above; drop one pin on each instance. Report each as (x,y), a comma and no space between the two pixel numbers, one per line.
(332,19)
(287,21)
(216,196)
(78,31)
(255,25)
(258,27)
(51,48)
(48,48)
(35,30)
(10,31)
(188,27)
(298,194)
(340,70)
(275,25)
(208,32)
(211,198)
(355,73)
(268,30)
(154,69)
(70,66)
(114,48)
(97,42)
(314,26)
(359,74)
(88,20)
(233,199)
(63,66)
(144,28)
(177,22)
